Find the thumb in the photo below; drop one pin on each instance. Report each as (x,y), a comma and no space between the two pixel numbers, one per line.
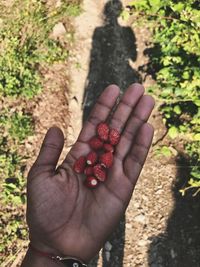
(50,150)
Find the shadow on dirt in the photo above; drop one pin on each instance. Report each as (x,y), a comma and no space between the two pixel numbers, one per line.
(112,50)
(179,245)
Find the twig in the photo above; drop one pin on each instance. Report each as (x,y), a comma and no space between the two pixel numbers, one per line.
(18,259)
(160,139)
(194,195)
(161,17)
(164,17)
(168,101)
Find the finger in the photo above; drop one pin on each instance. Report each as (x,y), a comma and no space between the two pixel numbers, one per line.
(139,116)
(100,112)
(126,105)
(116,193)
(136,157)
(51,149)
(119,183)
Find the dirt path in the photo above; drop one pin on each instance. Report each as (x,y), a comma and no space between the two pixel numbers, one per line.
(84,25)
(147,236)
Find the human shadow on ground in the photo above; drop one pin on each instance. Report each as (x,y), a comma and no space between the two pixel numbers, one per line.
(179,245)
(113,48)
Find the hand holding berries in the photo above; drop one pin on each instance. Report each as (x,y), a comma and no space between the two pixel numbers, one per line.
(64,214)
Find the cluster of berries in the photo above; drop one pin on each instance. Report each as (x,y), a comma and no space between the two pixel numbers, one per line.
(96,164)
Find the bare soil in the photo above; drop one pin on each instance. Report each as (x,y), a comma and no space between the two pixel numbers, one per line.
(50,108)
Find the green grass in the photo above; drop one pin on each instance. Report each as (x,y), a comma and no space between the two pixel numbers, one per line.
(26,48)
(174,59)
(26,45)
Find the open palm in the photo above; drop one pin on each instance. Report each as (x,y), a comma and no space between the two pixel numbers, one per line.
(64,216)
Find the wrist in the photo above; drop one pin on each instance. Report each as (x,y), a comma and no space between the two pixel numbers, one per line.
(61,251)
(41,258)
(33,259)
(43,246)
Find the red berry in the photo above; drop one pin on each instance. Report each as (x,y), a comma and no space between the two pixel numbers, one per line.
(103,131)
(108,147)
(106,159)
(95,143)
(80,164)
(91,182)
(88,171)
(92,158)
(114,137)
(99,172)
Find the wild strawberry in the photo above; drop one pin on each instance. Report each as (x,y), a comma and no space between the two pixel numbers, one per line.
(108,147)
(114,137)
(91,182)
(91,158)
(99,172)
(88,171)
(103,131)
(95,143)
(80,164)
(106,159)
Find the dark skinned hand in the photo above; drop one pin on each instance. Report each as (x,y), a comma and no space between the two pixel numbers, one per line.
(64,216)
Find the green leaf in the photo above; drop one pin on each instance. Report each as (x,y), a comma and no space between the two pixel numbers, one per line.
(166,92)
(197,102)
(178,7)
(177,109)
(173,132)
(154,3)
(139,4)
(125,15)
(10,186)
(197,137)
(166,151)
(196,174)
(186,75)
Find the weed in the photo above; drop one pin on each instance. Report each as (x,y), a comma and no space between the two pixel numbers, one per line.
(174,62)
